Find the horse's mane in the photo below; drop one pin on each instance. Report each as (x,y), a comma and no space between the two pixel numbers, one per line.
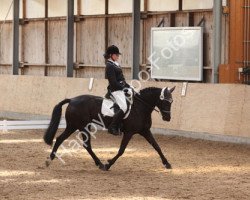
(147,91)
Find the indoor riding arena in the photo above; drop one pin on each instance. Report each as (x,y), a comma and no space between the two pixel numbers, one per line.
(182,65)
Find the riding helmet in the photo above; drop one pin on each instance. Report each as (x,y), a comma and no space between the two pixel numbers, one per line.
(112,50)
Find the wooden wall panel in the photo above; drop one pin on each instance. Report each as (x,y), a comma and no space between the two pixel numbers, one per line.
(90,72)
(57,47)
(33,49)
(5,69)
(57,42)
(57,71)
(181,19)
(90,42)
(33,71)
(91,46)
(120,34)
(6,48)
(6,44)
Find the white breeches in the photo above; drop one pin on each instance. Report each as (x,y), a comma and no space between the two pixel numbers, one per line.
(120,99)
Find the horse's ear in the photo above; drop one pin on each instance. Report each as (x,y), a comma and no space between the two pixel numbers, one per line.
(172,89)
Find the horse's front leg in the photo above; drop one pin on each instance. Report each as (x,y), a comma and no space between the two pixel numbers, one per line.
(87,145)
(125,140)
(149,137)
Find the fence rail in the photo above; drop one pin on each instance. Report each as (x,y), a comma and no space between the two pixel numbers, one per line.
(6,125)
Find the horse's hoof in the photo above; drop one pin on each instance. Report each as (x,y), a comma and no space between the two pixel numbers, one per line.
(103,167)
(168,166)
(107,166)
(52,156)
(48,162)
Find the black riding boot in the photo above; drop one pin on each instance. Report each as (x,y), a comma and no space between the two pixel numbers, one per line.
(113,127)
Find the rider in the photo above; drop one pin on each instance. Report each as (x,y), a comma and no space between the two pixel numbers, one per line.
(117,83)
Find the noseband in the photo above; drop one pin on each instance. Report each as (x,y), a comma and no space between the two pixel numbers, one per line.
(162,98)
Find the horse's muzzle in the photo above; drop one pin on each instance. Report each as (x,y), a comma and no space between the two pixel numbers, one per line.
(166,118)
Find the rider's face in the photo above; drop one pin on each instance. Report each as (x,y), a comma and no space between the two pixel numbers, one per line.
(115,57)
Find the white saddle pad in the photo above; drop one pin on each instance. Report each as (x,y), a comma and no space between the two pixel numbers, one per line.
(108,108)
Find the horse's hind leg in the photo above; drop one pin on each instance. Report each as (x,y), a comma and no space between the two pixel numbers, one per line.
(87,145)
(59,140)
(149,137)
(125,140)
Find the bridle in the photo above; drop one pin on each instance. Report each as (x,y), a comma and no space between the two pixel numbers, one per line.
(162,98)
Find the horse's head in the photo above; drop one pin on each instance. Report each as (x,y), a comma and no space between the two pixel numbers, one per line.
(164,103)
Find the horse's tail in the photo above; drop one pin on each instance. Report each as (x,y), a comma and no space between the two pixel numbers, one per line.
(54,122)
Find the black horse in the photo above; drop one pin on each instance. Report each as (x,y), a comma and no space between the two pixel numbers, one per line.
(82,110)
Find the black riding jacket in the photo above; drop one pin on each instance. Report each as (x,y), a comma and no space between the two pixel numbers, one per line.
(115,77)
